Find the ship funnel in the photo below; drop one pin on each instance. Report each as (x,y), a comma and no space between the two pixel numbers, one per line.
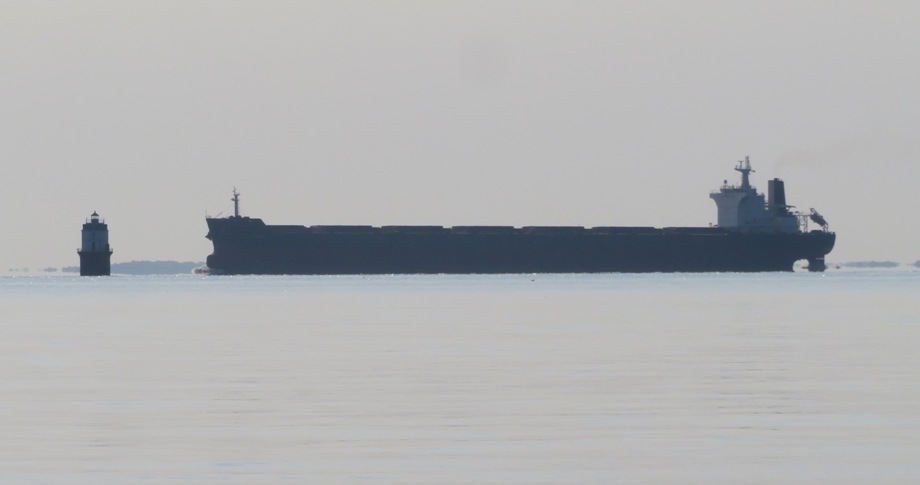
(776,196)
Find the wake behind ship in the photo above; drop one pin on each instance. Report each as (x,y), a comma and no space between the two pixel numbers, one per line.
(754,233)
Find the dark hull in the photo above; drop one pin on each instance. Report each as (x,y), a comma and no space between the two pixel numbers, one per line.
(248,246)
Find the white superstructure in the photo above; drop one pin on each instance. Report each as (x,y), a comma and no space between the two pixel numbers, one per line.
(741,208)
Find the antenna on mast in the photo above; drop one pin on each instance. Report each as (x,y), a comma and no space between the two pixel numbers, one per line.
(236,203)
(745,168)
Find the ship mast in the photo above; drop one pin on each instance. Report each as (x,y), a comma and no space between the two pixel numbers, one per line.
(745,169)
(236,203)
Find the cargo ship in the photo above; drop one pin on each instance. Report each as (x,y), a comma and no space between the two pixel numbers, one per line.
(754,233)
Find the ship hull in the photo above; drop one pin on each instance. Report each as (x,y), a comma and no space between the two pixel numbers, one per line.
(248,246)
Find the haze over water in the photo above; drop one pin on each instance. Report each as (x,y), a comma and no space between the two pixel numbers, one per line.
(523,113)
(547,379)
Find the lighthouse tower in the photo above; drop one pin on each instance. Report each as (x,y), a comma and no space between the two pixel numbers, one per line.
(95,254)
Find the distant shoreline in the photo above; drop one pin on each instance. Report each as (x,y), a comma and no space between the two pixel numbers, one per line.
(147,267)
(188,267)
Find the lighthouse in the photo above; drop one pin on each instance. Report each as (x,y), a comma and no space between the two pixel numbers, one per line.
(95,254)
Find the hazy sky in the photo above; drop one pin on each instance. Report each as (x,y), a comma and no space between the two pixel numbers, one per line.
(448,113)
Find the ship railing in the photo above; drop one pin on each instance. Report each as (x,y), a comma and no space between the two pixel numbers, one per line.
(803,220)
(732,187)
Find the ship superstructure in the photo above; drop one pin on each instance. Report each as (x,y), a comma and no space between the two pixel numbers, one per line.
(741,208)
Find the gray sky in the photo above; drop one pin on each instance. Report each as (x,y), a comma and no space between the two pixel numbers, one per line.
(438,112)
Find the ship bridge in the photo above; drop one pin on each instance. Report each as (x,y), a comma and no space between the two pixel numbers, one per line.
(741,208)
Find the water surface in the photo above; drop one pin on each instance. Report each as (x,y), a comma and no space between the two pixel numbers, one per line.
(537,379)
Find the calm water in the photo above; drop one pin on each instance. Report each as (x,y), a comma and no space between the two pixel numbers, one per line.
(715,378)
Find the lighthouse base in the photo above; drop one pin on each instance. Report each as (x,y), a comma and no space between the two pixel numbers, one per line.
(95,263)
